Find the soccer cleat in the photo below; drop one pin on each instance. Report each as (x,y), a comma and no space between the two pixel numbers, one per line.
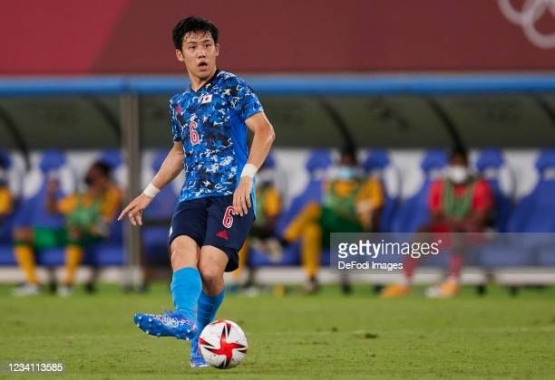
(312,287)
(395,291)
(65,290)
(196,360)
(446,289)
(167,324)
(26,290)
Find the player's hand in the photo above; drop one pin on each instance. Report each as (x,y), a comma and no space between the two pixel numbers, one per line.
(134,210)
(242,196)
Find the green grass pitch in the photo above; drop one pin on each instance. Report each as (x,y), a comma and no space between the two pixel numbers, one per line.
(327,336)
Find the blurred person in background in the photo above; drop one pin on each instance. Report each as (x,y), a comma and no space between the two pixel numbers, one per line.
(350,203)
(6,197)
(262,235)
(85,219)
(36,229)
(460,204)
(88,216)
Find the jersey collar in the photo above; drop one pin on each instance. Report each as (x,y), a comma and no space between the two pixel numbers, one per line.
(207,83)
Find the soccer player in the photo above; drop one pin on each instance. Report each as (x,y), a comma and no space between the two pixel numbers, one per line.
(88,216)
(209,124)
(459,203)
(350,203)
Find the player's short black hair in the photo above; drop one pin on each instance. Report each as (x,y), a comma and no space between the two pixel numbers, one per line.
(349,151)
(104,168)
(193,24)
(459,151)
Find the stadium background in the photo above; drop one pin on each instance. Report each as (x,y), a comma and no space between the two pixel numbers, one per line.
(401,78)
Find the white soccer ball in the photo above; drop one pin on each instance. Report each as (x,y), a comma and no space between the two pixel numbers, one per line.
(223,344)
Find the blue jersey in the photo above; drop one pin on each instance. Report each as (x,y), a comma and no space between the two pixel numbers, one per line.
(210,123)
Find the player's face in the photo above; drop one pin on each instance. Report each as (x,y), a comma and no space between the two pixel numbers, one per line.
(199,54)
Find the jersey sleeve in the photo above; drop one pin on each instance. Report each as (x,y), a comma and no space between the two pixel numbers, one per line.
(435,196)
(371,194)
(176,128)
(68,204)
(111,203)
(244,102)
(482,197)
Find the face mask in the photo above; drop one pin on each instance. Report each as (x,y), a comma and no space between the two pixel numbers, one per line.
(346,173)
(457,174)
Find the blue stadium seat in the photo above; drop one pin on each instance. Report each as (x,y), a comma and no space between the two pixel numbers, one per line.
(109,252)
(534,216)
(536,211)
(378,164)
(414,211)
(154,234)
(492,167)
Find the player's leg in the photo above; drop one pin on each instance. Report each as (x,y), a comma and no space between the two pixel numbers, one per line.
(225,235)
(310,213)
(451,286)
(403,288)
(25,258)
(311,250)
(186,281)
(305,227)
(76,241)
(186,234)
(73,257)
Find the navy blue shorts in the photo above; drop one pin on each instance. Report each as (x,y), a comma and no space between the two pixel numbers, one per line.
(210,221)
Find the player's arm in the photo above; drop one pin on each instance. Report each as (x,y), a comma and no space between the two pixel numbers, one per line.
(171,167)
(369,201)
(261,144)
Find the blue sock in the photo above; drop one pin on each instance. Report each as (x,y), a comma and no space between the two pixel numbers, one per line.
(186,287)
(207,308)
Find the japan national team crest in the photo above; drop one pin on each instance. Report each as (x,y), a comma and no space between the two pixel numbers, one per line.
(206,99)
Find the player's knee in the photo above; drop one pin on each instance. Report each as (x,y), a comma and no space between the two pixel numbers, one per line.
(23,234)
(211,274)
(183,252)
(180,259)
